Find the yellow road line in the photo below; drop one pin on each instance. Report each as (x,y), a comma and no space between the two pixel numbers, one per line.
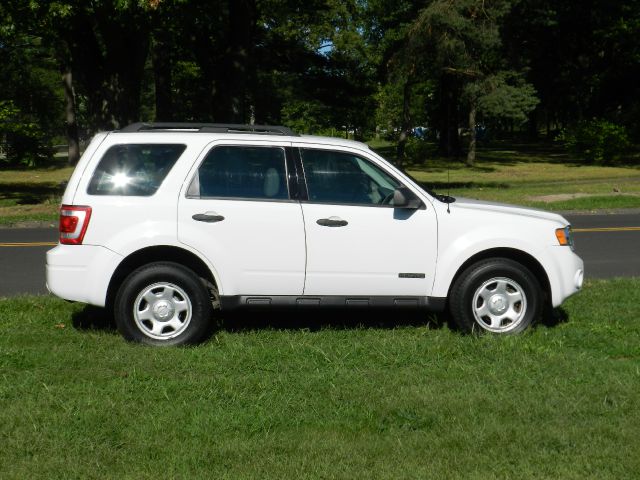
(609,229)
(28,244)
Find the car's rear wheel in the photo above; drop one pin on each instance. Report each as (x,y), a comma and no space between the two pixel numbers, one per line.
(163,303)
(496,295)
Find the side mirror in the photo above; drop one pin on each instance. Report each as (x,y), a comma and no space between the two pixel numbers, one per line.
(405,198)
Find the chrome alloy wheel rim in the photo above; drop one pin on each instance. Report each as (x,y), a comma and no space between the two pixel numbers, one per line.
(162,311)
(499,305)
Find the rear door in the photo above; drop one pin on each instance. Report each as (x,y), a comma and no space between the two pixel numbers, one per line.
(237,211)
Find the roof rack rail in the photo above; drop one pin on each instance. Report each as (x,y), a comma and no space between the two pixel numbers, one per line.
(209,128)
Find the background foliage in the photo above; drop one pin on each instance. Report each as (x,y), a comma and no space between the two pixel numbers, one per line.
(597,141)
(459,68)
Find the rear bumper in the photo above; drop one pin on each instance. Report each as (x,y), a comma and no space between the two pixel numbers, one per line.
(81,273)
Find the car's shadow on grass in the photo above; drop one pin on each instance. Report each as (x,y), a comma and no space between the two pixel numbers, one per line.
(333,319)
(95,318)
(348,318)
(554,317)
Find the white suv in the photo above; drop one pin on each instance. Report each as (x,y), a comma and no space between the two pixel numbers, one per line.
(169,222)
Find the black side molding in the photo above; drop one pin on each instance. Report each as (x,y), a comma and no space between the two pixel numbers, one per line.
(235,302)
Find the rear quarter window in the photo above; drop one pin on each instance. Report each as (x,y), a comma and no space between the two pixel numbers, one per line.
(134,169)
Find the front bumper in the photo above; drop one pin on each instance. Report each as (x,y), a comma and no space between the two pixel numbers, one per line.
(81,273)
(566,274)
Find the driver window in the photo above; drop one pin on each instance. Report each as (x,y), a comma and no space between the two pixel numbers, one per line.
(339,177)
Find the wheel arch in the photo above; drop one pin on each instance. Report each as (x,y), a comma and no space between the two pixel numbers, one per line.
(512,254)
(159,253)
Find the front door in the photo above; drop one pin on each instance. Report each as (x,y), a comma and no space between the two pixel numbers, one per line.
(357,242)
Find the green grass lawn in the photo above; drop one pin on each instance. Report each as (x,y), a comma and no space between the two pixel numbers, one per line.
(287,397)
(534,175)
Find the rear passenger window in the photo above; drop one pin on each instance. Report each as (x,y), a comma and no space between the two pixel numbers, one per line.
(133,169)
(242,172)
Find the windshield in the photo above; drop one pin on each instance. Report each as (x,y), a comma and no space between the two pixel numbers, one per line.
(433,193)
(442,198)
(438,196)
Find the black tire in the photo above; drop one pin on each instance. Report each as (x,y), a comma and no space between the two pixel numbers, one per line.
(503,281)
(179,312)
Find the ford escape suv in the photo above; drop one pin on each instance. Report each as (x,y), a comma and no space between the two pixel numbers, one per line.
(169,223)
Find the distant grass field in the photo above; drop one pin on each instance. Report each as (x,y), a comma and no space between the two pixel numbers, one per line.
(32,194)
(333,396)
(536,175)
(533,175)
(534,179)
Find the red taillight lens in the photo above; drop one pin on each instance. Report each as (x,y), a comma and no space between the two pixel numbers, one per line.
(74,221)
(68,224)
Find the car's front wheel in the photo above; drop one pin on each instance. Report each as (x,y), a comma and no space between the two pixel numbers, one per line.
(163,303)
(496,295)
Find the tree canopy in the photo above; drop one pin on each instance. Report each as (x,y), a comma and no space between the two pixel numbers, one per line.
(353,67)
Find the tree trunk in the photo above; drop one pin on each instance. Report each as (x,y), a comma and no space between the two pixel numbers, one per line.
(532,124)
(70,117)
(110,50)
(471,154)
(125,79)
(162,78)
(405,128)
(233,75)
(449,142)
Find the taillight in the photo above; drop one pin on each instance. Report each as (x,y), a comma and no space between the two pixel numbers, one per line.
(74,221)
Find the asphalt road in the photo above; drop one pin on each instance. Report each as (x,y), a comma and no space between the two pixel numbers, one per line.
(22,259)
(609,245)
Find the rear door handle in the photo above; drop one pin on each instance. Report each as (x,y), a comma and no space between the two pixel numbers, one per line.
(332,222)
(209,217)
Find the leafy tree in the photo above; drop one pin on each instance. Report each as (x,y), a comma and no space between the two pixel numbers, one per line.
(582,58)
(460,45)
(30,93)
(322,60)
(319,65)
(99,48)
(597,141)
(106,44)
(398,67)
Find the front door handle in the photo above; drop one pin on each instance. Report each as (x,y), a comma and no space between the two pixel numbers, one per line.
(332,222)
(209,217)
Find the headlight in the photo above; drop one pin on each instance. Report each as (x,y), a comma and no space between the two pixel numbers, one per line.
(564,236)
